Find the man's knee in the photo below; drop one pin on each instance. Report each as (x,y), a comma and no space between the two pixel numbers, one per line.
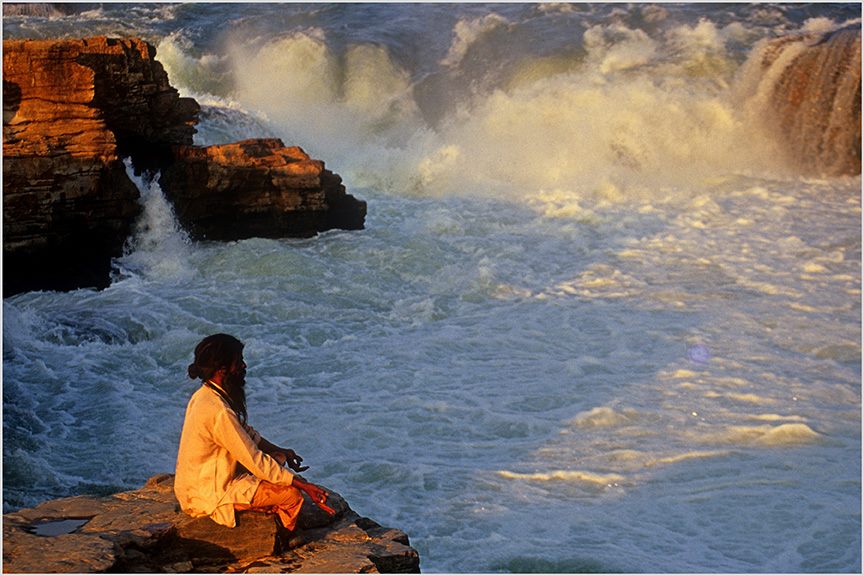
(269,494)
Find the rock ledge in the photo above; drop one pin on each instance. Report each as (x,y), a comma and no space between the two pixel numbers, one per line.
(144,531)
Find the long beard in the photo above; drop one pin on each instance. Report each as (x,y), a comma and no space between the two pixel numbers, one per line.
(234,385)
(235,380)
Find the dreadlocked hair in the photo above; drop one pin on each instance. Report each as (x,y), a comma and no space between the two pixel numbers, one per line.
(213,353)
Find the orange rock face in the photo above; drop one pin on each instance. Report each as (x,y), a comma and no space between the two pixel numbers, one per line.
(269,159)
(72,97)
(71,108)
(257,187)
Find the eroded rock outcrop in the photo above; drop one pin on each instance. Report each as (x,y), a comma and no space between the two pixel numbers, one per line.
(143,531)
(257,188)
(73,109)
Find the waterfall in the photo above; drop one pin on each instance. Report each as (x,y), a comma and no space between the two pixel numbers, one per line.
(809,95)
(158,247)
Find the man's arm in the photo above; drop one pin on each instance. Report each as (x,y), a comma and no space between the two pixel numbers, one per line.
(237,440)
(282,455)
(240,440)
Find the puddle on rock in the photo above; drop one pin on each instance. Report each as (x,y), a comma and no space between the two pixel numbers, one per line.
(56,527)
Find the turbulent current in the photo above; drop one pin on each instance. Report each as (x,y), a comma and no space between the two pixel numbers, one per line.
(597,320)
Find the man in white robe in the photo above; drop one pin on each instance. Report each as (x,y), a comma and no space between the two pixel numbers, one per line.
(223,464)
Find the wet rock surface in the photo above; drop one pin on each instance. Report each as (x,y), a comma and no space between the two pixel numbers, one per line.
(143,531)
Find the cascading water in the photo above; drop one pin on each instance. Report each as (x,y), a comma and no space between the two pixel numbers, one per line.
(597,321)
(158,246)
(808,90)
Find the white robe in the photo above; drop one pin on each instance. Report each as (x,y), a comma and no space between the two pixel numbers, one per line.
(213,442)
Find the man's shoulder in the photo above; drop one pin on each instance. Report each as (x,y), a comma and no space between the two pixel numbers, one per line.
(205,397)
(208,400)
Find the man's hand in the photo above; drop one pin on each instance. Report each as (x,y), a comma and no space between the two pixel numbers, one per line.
(287,456)
(282,455)
(294,461)
(316,493)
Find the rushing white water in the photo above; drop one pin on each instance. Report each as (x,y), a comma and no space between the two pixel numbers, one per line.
(596,321)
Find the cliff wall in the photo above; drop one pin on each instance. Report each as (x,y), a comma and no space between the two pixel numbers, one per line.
(68,205)
(73,109)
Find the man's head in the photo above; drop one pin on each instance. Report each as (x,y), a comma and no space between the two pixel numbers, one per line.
(219,360)
(219,357)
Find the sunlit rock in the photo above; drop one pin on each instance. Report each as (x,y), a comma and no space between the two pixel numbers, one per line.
(257,188)
(74,109)
(144,531)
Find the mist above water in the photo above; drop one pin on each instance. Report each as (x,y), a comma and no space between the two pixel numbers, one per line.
(616,108)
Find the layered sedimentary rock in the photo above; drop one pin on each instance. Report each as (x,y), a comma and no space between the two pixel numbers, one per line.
(815,104)
(257,188)
(143,531)
(73,109)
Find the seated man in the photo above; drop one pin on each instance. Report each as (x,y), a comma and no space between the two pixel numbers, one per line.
(223,464)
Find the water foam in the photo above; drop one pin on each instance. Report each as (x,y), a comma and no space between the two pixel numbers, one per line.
(566,476)
(603,417)
(788,434)
(637,114)
(466,33)
(206,74)
(330,102)
(158,247)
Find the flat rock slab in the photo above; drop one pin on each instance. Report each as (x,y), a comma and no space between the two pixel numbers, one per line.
(144,531)
(76,553)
